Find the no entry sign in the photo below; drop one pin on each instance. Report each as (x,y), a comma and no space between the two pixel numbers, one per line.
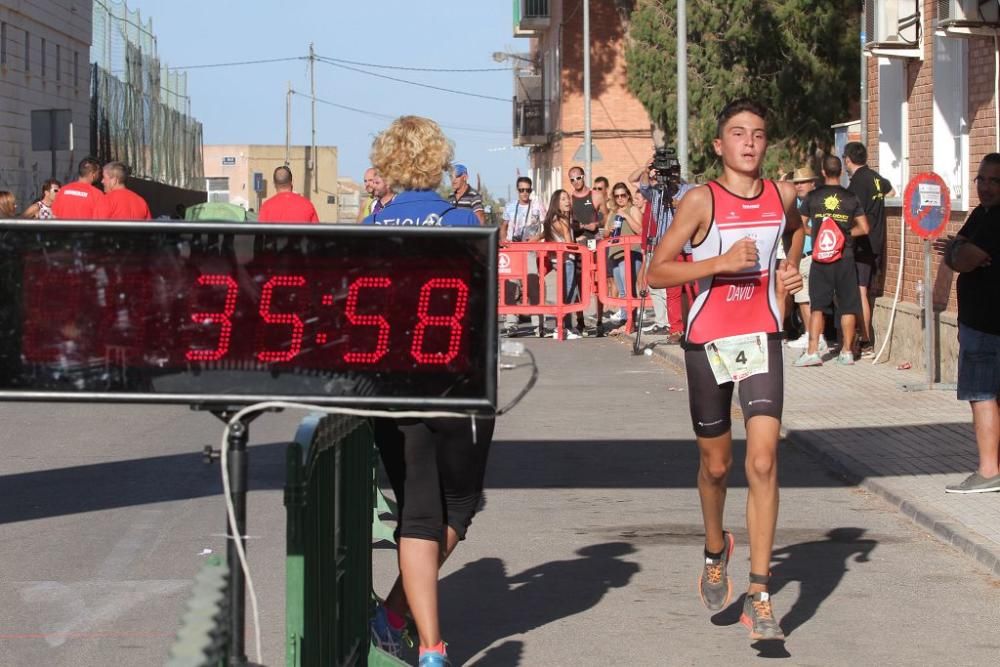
(927,205)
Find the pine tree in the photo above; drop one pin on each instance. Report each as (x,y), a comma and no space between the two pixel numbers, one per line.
(800,58)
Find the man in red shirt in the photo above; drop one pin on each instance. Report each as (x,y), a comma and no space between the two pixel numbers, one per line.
(286,206)
(80,200)
(120,203)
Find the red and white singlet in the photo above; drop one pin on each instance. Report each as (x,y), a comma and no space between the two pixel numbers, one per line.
(732,304)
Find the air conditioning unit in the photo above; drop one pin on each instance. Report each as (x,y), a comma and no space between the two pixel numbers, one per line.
(968,18)
(892,28)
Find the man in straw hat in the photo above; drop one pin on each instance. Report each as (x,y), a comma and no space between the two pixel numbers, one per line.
(805,180)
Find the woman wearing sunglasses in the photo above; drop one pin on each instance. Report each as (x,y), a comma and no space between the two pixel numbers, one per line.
(625,220)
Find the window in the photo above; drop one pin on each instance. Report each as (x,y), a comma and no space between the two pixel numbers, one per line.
(892,121)
(951,122)
(217,188)
(43,57)
(27,52)
(76,69)
(58,62)
(3,43)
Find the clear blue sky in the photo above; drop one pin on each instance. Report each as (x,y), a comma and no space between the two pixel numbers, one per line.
(247,104)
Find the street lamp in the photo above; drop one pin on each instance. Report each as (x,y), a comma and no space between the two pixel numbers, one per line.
(503,56)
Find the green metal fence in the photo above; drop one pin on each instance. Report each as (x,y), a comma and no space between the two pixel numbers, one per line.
(203,637)
(330,499)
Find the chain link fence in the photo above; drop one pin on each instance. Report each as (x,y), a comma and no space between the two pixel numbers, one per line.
(141,112)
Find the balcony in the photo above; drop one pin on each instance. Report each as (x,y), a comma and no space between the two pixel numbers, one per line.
(531,17)
(529,123)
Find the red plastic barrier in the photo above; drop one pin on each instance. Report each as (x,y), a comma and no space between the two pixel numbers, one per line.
(604,281)
(515,263)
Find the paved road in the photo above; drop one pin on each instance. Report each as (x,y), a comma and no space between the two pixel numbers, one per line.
(587,551)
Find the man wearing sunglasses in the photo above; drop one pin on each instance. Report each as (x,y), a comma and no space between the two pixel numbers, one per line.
(586,205)
(522,221)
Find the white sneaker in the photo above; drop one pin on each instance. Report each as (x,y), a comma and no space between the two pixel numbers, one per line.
(617,317)
(800,343)
(570,335)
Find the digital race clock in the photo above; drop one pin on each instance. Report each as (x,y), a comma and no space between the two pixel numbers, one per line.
(238,313)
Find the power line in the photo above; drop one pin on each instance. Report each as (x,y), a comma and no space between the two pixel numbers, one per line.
(415,69)
(391,117)
(241,63)
(413,83)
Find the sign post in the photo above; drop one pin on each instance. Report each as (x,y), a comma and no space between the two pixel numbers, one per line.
(926,210)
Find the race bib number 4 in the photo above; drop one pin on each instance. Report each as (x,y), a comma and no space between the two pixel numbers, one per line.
(737,357)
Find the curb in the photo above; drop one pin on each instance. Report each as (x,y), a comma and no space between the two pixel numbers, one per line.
(855,473)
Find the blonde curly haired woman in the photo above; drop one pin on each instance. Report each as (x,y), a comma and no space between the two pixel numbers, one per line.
(436,466)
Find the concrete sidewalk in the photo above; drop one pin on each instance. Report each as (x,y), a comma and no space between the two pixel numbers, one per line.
(903,446)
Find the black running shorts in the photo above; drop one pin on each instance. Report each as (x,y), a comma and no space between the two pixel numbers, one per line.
(711,403)
(436,471)
(839,281)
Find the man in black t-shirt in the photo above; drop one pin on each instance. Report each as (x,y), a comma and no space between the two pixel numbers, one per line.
(586,207)
(975,254)
(835,216)
(872,189)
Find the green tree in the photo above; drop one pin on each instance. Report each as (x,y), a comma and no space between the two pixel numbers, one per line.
(800,58)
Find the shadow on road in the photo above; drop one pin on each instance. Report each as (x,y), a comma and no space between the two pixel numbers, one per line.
(818,566)
(101,486)
(491,606)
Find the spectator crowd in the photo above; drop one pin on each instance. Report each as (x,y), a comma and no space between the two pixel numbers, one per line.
(844,251)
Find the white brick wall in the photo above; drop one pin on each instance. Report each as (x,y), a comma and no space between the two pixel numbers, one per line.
(62,23)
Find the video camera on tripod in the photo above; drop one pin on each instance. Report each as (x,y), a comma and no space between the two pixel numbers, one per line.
(667,166)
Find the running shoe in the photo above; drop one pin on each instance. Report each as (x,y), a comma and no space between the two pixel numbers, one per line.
(758,616)
(617,317)
(384,636)
(714,585)
(846,358)
(434,659)
(867,350)
(975,483)
(800,343)
(568,334)
(510,331)
(809,360)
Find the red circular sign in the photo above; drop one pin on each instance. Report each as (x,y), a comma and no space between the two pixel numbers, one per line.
(927,205)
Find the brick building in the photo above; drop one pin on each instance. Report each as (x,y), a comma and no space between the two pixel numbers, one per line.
(548,105)
(932,106)
(44,56)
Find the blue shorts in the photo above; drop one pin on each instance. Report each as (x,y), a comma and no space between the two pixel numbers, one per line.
(978,365)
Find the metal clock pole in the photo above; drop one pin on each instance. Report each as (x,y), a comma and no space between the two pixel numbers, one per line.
(238,460)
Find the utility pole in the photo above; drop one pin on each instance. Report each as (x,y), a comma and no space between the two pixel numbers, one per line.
(588,148)
(682,88)
(288,124)
(312,92)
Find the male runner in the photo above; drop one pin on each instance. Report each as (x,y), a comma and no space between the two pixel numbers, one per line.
(734,334)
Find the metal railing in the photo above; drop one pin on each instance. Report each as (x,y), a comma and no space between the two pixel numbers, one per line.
(532,9)
(329,502)
(529,119)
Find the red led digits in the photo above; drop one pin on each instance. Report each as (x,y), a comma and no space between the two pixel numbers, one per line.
(382,344)
(453,321)
(281,318)
(226,331)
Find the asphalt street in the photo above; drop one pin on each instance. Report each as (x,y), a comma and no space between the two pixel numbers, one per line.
(587,550)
